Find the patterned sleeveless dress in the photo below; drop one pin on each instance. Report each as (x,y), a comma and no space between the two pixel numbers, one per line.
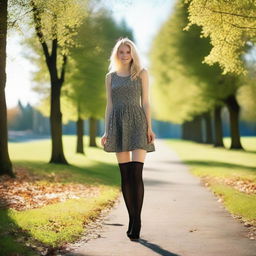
(127,127)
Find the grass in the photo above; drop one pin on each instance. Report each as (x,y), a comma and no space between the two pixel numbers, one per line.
(217,164)
(238,203)
(249,143)
(58,223)
(54,225)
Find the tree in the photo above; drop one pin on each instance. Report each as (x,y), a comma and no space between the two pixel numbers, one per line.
(178,85)
(217,87)
(247,93)
(177,60)
(231,26)
(83,96)
(56,24)
(5,162)
(84,89)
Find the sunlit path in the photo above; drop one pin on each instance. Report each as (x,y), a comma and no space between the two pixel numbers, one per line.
(179,217)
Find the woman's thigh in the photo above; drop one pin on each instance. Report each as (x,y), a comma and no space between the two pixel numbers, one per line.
(123,157)
(139,155)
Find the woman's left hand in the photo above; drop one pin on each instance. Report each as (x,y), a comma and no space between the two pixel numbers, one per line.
(150,136)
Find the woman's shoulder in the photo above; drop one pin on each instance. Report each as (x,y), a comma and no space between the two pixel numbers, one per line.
(109,74)
(143,72)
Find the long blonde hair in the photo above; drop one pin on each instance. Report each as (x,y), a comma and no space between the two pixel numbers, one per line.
(135,66)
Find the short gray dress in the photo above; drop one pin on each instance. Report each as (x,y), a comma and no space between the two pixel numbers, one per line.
(127,127)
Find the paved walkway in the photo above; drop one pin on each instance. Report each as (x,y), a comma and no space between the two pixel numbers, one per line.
(179,217)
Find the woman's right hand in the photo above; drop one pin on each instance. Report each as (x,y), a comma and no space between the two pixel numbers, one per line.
(103,139)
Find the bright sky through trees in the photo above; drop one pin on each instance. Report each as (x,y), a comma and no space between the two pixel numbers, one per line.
(143,16)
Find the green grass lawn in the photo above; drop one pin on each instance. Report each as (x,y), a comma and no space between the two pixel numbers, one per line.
(57,223)
(217,165)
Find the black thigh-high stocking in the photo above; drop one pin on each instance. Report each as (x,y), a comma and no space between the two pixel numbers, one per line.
(127,186)
(137,168)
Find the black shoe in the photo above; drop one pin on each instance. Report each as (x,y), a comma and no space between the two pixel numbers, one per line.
(129,227)
(135,230)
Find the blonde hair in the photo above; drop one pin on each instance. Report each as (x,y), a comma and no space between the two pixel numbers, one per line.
(135,65)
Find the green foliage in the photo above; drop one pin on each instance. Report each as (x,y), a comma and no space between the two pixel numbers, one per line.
(231,25)
(53,19)
(58,19)
(247,94)
(85,88)
(174,92)
(182,83)
(54,23)
(83,93)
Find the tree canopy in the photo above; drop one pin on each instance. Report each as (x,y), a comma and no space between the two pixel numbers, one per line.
(231,26)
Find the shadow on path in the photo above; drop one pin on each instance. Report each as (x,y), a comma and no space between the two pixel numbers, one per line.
(214,164)
(156,248)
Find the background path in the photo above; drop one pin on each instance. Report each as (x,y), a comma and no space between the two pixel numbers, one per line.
(179,217)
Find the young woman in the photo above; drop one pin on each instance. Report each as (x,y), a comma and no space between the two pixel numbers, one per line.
(128,125)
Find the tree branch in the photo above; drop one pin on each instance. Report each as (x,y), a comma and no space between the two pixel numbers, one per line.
(54,49)
(12,23)
(38,27)
(63,68)
(241,27)
(233,14)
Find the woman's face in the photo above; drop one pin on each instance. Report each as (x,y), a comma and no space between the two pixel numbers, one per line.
(124,54)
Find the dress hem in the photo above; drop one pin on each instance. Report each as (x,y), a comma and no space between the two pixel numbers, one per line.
(115,151)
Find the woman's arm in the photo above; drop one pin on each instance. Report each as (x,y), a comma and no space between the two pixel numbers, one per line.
(109,101)
(145,97)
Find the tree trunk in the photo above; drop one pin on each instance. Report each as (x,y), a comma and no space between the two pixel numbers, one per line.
(93,126)
(192,130)
(80,134)
(57,155)
(197,129)
(234,110)
(185,131)
(5,162)
(208,128)
(218,140)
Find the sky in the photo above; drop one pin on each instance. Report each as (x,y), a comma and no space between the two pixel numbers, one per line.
(144,17)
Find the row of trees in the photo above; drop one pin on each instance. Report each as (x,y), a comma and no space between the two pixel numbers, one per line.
(72,48)
(83,96)
(191,86)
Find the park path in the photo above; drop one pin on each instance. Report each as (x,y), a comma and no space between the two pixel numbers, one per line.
(179,217)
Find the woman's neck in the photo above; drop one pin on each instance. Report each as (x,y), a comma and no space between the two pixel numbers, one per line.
(124,69)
